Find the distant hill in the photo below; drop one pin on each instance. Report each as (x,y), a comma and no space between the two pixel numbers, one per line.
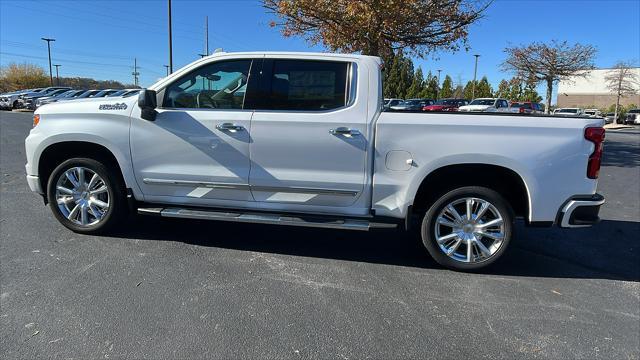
(88,83)
(21,76)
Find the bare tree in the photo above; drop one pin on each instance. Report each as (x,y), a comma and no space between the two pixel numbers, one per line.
(378,27)
(550,63)
(623,81)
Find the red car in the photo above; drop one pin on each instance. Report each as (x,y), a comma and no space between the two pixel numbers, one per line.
(446,105)
(527,107)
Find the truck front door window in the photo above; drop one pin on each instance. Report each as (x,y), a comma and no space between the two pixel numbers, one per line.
(220,85)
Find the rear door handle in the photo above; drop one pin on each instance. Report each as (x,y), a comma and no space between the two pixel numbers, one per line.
(229,127)
(343,130)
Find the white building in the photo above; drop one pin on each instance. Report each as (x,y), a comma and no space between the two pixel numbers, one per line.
(592,91)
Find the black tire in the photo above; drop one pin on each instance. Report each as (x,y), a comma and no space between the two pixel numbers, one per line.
(429,221)
(117,209)
(15,105)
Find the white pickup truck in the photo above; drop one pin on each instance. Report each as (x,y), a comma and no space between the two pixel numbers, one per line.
(301,139)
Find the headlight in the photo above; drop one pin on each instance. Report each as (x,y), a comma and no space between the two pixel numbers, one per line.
(36,120)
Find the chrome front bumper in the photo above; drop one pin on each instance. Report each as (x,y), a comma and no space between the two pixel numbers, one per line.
(580,211)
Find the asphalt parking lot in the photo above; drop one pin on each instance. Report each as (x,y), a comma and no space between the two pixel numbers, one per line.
(188,289)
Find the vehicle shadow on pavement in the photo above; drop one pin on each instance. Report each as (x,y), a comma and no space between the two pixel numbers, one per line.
(621,154)
(607,251)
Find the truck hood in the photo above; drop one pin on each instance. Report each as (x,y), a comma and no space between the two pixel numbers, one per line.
(107,105)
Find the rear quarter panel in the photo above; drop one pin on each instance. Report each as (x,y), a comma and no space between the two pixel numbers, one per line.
(549,154)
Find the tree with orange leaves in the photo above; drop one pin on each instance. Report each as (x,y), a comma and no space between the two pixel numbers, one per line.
(379,27)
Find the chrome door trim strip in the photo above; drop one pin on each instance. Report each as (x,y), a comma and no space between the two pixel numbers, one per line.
(207,184)
(305,190)
(231,186)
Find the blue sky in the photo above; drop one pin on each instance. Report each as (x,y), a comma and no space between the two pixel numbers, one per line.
(101,38)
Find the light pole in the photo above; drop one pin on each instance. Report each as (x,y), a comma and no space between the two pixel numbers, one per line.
(170,43)
(167,67)
(475,72)
(438,88)
(57,76)
(48,40)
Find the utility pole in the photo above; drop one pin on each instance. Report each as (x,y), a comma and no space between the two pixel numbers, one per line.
(49,40)
(167,67)
(57,76)
(135,72)
(438,89)
(170,42)
(206,35)
(475,72)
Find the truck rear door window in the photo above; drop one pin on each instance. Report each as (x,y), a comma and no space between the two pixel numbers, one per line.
(306,85)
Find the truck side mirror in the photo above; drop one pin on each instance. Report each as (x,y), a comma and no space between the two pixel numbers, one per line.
(147,101)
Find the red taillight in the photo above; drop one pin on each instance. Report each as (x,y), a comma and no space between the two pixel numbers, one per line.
(521,110)
(596,136)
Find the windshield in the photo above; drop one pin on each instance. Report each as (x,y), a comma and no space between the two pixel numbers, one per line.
(117,93)
(446,102)
(634,111)
(411,102)
(568,111)
(66,93)
(482,102)
(521,105)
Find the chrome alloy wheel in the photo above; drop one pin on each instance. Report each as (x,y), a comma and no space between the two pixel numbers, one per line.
(469,230)
(82,196)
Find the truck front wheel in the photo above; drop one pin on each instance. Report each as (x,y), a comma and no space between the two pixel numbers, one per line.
(85,196)
(467,228)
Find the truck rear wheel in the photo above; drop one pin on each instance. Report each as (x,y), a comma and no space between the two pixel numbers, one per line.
(85,196)
(468,228)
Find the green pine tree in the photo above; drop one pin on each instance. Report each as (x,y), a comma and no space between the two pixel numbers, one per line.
(447,87)
(468,90)
(416,85)
(484,89)
(504,90)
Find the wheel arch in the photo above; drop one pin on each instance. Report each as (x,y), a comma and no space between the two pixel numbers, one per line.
(510,184)
(56,153)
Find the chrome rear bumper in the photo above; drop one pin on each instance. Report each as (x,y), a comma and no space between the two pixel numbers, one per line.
(580,211)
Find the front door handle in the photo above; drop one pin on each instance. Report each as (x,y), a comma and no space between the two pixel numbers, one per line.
(229,127)
(343,130)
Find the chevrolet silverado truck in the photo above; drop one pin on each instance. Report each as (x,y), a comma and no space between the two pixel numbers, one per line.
(301,139)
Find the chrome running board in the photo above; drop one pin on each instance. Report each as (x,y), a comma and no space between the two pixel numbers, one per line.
(266,218)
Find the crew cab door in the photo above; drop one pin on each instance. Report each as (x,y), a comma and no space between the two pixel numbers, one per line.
(197,149)
(309,135)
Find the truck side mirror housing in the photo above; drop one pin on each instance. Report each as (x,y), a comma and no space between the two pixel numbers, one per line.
(147,101)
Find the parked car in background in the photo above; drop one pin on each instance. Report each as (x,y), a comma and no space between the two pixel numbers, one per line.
(391,102)
(71,94)
(486,105)
(633,117)
(84,95)
(29,101)
(105,93)
(568,112)
(13,98)
(526,107)
(446,105)
(5,103)
(124,92)
(609,118)
(592,112)
(412,105)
